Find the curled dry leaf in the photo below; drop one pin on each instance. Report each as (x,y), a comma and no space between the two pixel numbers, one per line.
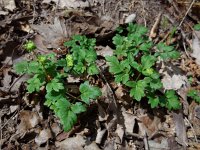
(129,121)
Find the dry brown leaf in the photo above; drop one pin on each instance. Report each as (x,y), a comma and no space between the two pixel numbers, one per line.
(120,132)
(43,137)
(69,3)
(8,4)
(174,82)
(129,121)
(53,34)
(180,128)
(196,46)
(100,134)
(73,143)
(28,119)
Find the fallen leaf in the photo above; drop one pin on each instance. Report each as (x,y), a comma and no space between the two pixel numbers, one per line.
(28,119)
(180,128)
(196,46)
(100,134)
(129,121)
(8,4)
(174,82)
(120,132)
(153,145)
(104,51)
(92,146)
(53,34)
(73,143)
(43,137)
(130,18)
(69,3)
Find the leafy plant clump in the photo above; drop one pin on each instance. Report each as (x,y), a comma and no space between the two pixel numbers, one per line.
(134,65)
(51,73)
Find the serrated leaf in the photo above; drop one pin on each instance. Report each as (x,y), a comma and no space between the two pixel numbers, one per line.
(197,27)
(114,64)
(194,94)
(89,92)
(92,69)
(156,84)
(35,83)
(54,85)
(138,91)
(78,108)
(34,67)
(21,67)
(147,61)
(122,78)
(146,46)
(153,101)
(167,52)
(172,100)
(117,40)
(91,56)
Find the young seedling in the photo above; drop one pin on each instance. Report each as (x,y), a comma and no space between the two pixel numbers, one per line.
(50,72)
(134,65)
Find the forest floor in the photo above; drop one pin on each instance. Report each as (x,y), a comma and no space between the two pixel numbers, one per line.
(114,120)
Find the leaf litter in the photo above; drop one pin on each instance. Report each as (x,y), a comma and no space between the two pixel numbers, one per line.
(118,122)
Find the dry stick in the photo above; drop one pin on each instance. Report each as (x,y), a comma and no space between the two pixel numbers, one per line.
(143,13)
(155,26)
(186,13)
(0,134)
(146,144)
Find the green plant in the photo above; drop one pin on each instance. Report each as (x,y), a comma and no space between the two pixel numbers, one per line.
(83,55)
(197,27)
(50,72)
(194,94)
(134,65)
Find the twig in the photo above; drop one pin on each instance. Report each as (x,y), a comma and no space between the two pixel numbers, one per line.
(186,13)
(134,135)
(74,97)
(15,82)
(0,134)
(146,144)
(155,26)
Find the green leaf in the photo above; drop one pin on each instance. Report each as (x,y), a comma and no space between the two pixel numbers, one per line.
(153,101)
(138,91)
(146,46)
(34,67)
(35,83)
(54,85)
(21,67)
(172,100)
(78,108)
(148,61)
(156,84)
(122,78)
(92,69)
(89,92)
(117,39)
(114,65)
(197,27)
(166,52)
(90,57)
(194,94)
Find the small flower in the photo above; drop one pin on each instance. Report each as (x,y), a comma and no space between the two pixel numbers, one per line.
(69,60)
(41,59)
(30,46)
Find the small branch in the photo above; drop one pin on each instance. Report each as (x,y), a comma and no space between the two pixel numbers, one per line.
(186,13)
(74,97)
